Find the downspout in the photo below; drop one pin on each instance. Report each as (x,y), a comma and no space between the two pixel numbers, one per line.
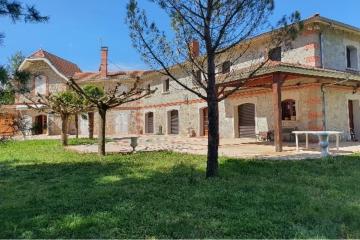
(321,36)
(323,107)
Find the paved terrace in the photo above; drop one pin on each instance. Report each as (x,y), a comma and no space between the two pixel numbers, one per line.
(238,148)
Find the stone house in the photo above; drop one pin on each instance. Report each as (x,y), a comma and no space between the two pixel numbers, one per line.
(314,82)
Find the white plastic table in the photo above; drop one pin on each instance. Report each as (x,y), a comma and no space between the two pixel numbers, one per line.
(323,139)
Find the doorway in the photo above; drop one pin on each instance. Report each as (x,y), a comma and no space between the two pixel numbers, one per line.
(40,125)
(354,119)
(246,120)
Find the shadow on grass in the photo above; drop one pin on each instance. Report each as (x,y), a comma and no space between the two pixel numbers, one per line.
(148,198)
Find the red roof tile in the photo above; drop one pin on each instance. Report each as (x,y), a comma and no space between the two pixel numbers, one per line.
(67,68)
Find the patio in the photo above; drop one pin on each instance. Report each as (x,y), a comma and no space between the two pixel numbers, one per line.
(239,148)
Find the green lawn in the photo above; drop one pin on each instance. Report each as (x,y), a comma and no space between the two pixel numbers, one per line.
(46,192)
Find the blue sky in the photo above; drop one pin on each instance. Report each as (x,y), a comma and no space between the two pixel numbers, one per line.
(78,27)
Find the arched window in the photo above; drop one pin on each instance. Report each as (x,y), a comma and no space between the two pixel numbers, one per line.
(288,109)
(351,57)
(40,85)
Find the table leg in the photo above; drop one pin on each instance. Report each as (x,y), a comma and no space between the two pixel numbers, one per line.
(297,142)
(307,141)
(337,141)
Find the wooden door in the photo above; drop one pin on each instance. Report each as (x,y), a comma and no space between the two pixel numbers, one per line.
(174,122)
(351,115)
(149,122)
(205,122)
(40,124)
(246,120)
(6,125)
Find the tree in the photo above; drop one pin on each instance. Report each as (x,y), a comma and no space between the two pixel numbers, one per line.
(12,80)
(65,104)
(205,31)
(108,100)
(17,11)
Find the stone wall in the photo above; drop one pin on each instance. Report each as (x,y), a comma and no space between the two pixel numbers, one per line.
(55,83)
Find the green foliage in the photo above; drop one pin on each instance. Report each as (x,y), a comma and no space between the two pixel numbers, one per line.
(12,80)
(47,192)
(94,91)
(67,98)
(7,97)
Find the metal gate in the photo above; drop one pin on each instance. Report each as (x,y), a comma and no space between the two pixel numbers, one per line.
(174,122)
(247,120)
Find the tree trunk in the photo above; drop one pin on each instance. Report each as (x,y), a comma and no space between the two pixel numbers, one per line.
(213,118)
(77,126)
(64,129)
(213,139)
(91,125)
(102,124)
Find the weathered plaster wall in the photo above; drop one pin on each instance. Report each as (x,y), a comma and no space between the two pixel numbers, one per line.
(337,110)
(334,48)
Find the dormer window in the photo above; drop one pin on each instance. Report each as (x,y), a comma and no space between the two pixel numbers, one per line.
(40,85)
(275,54)
(351,57)
(226,67)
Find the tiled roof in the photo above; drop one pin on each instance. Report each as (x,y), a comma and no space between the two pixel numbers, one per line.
(96,76)
(65,67)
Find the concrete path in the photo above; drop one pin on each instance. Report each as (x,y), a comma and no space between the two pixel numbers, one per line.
(237,148)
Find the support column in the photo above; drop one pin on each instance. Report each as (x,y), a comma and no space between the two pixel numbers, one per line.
(277,111)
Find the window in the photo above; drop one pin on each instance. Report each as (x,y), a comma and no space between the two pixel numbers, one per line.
(275,54)
(40,85)
(149,122)
(166,86)
(197,78)
(226,67)
(351,57)
(288,110)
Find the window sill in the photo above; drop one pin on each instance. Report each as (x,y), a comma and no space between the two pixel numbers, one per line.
(352,70)
(289,121)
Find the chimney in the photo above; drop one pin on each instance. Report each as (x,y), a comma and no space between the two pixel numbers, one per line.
(194,49)
(104,62)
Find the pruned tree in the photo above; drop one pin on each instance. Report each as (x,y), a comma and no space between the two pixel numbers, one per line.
(205,32)
(18,11)
(94,92)
(65,104)
(109,100)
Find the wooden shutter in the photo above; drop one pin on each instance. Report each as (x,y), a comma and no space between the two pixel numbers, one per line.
(247,120)
(150,122)
(174,122)
(205,122)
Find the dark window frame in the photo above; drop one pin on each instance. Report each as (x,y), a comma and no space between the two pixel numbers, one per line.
(288,108)
(275,54)
(166,85)
(226,67)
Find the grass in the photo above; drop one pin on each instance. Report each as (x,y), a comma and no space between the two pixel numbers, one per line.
(85,141)
(46,192)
